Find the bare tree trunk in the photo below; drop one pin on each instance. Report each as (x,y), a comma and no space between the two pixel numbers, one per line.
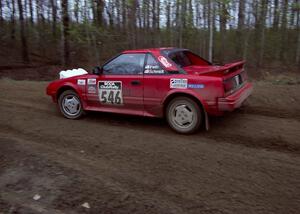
(65,26)
(22,33)
(211,30)
(124,14)
(183,13)
(154,23)
(180,13)
(263,14)
(139,16)
(13,21)
(40,12)
(25,10)
(37,11)
(260,22)
(132,23)
(298,49)
(158,23)
(283,30)
(76,10)
(94,13)
(31,11)
(99,10)
(86,29)
(198,25)
(276,15)
(240,31)
(110,13)
(178,22)
(54,16)
(1,12)
(246,40)
(93,50)
(298,38)
(223,21)
(168,21)
(146,21)
(191,13)
(153,14)
(118,10)
(206,24)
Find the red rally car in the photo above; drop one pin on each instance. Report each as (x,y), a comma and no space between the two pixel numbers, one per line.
(162,82)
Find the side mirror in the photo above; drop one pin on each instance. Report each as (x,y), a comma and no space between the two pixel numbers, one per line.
(97,70)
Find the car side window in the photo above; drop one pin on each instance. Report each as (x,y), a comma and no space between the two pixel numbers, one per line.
(152,66)
(126,64)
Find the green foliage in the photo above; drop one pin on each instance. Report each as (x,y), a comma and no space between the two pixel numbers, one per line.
(88,38)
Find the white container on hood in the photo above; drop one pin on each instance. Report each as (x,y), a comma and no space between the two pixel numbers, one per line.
(72,73)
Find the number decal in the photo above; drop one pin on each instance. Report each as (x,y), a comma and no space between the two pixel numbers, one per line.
(118,98)
(110,92)
(103,96)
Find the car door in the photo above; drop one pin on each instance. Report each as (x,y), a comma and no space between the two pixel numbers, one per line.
(120,86)
(156,86)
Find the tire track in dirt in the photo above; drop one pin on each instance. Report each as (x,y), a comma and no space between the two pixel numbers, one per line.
(271,143)
(269,112)
(268,142)
(27,105)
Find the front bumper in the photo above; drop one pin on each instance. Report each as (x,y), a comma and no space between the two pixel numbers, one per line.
(51,92)
(236,99)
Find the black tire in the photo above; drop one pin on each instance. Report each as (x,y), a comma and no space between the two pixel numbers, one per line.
(184,115)
(70,105)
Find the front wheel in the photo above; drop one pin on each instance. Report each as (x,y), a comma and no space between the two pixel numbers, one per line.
(184,115)
(70,105)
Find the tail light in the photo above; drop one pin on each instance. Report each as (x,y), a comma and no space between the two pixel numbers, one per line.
(228,85)
(244,76)
(234,82)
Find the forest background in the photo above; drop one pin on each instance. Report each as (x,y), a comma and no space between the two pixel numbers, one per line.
(84,33)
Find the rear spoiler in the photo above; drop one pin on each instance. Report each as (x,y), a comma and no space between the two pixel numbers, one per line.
(228,70)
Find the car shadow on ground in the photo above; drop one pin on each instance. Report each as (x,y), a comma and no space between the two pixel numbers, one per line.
(158,125)
(220,132)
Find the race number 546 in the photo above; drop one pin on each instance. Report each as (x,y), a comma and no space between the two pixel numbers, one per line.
(110,92)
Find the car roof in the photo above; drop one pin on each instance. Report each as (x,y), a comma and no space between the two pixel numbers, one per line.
(149,50)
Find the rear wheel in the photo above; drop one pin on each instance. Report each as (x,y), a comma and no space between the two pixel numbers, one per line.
(184,115)
(70,105)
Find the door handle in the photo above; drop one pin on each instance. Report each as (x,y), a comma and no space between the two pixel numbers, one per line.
(135,82)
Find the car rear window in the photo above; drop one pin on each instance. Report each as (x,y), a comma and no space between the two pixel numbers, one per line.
(180,58)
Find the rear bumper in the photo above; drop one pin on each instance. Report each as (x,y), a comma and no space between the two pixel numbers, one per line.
(236,99)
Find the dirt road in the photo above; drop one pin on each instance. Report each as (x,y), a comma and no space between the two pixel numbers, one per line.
(249,162)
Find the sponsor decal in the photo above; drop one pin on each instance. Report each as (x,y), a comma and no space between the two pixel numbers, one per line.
(153,69)
(110,92)
(80,82)
(178,83)
(92,89)
(196,86)
(164,61)
(91,81)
